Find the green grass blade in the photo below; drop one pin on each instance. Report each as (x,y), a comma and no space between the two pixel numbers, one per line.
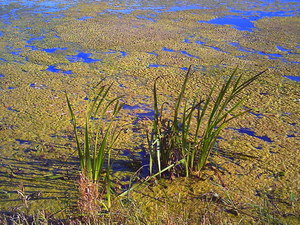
(249,81)
(95,100)
(103,97)
(156,112)
(183,87)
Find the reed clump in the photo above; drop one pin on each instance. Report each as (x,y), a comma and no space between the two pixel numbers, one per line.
(183,143)
(94,143)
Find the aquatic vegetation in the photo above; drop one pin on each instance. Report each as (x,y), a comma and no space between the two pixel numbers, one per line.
(173,140)
(99,136)
(40,51)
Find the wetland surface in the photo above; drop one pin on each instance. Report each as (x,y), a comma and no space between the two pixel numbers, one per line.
(48,48)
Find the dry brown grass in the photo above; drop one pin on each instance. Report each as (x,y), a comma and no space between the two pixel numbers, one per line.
(89,203)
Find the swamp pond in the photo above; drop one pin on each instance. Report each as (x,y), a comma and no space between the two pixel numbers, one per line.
(49,47)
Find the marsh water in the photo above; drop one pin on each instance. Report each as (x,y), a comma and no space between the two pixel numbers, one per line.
(52,47)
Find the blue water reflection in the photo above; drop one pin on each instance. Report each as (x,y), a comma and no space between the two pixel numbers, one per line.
(145,18)
(82,57)
(85,18)
(244,22)
(253,51)
(185,7)
(34,39)
(156,65)
(238,22)
(293,78)
(53,50)
(182,52)
(53,69)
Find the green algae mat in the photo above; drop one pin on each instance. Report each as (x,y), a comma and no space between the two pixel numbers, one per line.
(48,48)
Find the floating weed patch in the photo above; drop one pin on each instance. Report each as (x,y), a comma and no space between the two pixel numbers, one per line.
(191,134)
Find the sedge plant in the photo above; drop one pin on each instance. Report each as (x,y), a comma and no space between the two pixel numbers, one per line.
(99,134)
(191,134)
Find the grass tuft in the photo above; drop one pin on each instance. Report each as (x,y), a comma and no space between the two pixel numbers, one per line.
(99,135)
(191,137)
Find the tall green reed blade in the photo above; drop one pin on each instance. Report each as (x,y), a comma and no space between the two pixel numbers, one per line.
(178,104)
(74,123)
(154,143)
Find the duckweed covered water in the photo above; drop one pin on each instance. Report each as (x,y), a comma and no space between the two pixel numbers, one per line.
(52,47)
